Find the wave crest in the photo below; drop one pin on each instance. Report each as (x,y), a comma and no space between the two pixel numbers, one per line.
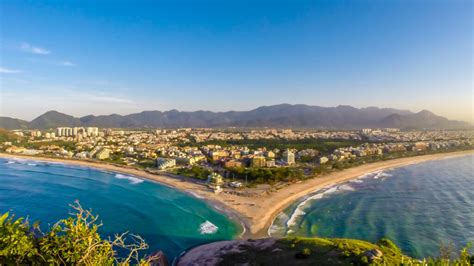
(208,228)
(133,180)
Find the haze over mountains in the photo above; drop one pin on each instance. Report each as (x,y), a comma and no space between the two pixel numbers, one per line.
(283,115)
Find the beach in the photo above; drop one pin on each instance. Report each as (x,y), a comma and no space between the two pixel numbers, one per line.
(254,213)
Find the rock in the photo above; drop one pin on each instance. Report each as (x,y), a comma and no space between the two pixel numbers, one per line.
(373,254)
(300,256)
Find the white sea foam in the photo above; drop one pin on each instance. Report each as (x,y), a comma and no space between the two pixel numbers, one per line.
(195,194)
(208,228)
(299,209)
(31,164)
(274,229)
(330,190)
(374,175)
(345,187)
(11,162)
(133,180)
(297,213)
(381,174)
(244,230)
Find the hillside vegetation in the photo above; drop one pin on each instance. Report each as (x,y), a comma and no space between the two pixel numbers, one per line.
(310,251)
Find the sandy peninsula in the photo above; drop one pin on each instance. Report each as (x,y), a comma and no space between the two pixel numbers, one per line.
(255,213)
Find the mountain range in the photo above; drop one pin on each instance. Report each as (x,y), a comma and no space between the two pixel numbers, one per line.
(277,116)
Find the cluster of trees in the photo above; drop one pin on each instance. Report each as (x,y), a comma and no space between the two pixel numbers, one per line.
(265,175)
(67,145)
(71,241)
(6,135)
(195,172)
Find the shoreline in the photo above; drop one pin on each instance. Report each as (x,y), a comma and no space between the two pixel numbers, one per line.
(254,214)
(182,184)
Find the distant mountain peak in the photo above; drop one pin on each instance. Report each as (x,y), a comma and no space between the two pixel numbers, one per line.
(281,115)
(425,112)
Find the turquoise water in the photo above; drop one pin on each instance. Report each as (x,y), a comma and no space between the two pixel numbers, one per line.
(167,219)
(417,206)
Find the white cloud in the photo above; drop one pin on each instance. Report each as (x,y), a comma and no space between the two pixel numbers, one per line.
(107,99)
(29,103)
(9,71)
(34,49)
(67,63)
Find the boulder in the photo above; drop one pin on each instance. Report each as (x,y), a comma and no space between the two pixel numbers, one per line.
(373,254)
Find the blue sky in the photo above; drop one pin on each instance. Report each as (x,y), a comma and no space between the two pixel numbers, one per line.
(105,57)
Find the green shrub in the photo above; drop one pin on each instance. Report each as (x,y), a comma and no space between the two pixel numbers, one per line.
(71,241)
(385,242)
(17,242)
(306,252)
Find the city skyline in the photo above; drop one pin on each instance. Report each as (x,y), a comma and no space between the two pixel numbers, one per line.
(103,58)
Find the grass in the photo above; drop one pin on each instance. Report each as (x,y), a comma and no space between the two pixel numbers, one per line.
(318,251)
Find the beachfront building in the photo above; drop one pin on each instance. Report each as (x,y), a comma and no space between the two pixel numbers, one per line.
(164,163)
(103,154)
(215,181)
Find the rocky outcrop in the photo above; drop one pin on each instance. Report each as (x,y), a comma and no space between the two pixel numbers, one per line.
(215,253)
(373,254)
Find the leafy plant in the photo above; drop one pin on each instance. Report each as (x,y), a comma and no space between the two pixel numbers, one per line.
(71,241)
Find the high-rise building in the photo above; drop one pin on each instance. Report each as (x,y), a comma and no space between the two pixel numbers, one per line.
(288,157)
(92,131)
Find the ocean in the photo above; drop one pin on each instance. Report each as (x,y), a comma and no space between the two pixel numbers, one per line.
(418,207)
(168,220)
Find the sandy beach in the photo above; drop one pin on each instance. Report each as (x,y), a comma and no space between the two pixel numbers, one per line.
(256,214)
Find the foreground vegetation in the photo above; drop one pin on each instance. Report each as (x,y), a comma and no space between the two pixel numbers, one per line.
(312,251)
(71,241)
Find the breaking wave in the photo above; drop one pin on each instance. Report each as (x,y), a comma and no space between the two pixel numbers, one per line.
(299,210)
(133,180)
(195,194)
(208,228)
